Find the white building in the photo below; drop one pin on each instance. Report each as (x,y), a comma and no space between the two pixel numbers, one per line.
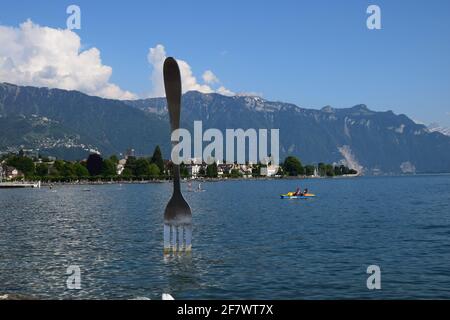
(194,170)
(121,166)
(269,171)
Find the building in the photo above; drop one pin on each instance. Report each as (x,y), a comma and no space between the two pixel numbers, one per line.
(29,153)
(8,173)
(130,153)
(269,171)
(224,168)
(121,166)
(193,169)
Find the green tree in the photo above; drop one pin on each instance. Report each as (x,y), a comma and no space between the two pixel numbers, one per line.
(42,170)
(23,164)
(309,170)
(256,170)
(153,170)
(329,170)
(127,172)
(280,172)
(292,166)
(184,172)
(59,166)
(80,170)
(114,159)
(157,159)
(69,170)
(131,165)
(142,167)
(235,173)
(322,169)
(108,168)
(211,170)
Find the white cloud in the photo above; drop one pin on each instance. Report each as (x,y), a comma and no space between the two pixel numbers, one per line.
(44,56)
(209,77)
(224,91)
(250,94)
(156,57)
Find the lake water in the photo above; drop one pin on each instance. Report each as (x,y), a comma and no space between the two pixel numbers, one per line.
(247,243)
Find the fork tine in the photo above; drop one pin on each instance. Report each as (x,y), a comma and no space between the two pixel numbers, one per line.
(166,238)
(188,237)
(173,238)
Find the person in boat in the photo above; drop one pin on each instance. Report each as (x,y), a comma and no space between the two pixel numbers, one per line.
(298,192)
(305,191)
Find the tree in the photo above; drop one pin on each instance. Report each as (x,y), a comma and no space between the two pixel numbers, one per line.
(68,170)
(108,168)
(23,164)
(127,172)
(329,170)
(80,170)
(256,170)
(184,172)
(235,173)
(153,170)
(211,170)
(280,172)
(114,159)
(157,159)
(292,166)
(322,169)
(142,167)
(42,170)
(94,164)
(130,166)
(309,170)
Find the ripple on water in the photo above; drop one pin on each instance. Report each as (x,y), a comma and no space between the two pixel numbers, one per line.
(248,243)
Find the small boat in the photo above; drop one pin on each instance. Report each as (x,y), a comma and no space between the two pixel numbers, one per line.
(305,196)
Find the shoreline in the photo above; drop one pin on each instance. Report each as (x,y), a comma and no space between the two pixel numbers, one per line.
(158,181)
(204,179)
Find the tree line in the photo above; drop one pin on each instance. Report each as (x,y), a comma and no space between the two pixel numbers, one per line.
(149,168)
(93,168)
(292,166)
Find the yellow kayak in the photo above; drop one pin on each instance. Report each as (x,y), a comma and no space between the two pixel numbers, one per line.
(290,195)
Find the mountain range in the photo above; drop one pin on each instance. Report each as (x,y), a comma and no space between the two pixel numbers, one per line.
(70,124)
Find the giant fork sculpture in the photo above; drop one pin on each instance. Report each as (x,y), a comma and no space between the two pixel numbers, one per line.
(177,216)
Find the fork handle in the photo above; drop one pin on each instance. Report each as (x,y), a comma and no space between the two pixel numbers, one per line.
(172,85)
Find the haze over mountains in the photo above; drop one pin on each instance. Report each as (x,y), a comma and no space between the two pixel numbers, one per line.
(69,124)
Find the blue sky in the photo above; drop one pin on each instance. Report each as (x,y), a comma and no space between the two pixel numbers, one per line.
(312,53)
